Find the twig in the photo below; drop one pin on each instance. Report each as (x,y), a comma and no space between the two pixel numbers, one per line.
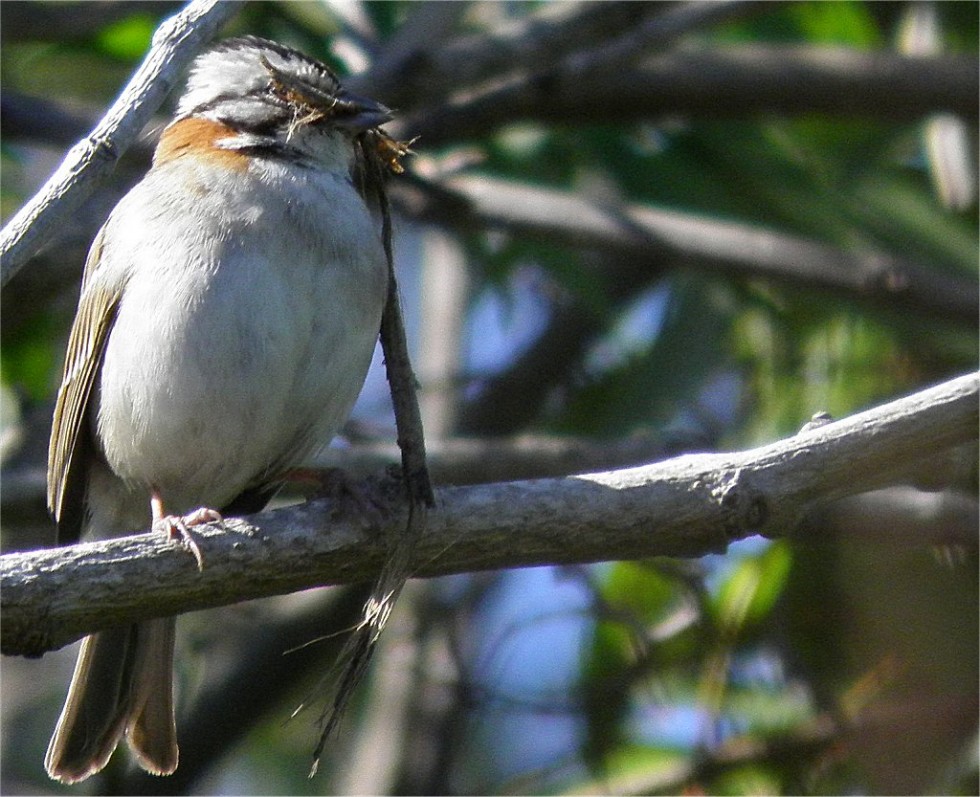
(391,72)
(175,43)
(400,542)
(554,44)
(419,74)
(793,748)
(688,506)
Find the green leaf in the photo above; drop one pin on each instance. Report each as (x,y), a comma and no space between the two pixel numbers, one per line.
(748,779)
(747,596)
(129,38)
(638,769)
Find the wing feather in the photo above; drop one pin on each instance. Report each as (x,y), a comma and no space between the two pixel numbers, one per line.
(71,433)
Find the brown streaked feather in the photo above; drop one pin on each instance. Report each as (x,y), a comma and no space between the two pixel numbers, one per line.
(95,712)
(71,437)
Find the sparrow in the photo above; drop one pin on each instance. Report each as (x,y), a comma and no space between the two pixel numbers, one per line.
(229,310)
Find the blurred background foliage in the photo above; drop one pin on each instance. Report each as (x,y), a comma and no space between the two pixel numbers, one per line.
(803,251)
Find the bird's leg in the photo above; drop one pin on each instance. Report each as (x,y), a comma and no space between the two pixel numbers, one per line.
(179,528)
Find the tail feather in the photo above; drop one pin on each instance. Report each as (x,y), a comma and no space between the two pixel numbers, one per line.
(151,731)
(123,682)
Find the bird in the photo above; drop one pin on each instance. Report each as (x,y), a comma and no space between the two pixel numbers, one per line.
(228,314)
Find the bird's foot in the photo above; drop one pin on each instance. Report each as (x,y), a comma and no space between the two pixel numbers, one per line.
(179,527)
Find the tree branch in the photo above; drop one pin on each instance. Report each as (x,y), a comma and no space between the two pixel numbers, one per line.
(688,506)
(418,73)
(175,43)
(720,83)
(899,516)
(452,461)
(687,239)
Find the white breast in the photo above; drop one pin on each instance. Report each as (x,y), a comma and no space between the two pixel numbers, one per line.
(251,310)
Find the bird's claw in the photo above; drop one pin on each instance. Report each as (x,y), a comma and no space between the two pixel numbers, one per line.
(179,528)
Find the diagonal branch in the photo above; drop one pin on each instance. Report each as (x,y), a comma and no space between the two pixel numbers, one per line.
(175,43)
(588,35)
(688,506)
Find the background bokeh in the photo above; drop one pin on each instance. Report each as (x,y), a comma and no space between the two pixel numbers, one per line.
(645,228)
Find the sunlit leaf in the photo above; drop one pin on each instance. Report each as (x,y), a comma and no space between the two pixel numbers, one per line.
(128,38)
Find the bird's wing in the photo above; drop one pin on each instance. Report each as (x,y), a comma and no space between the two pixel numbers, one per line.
(71,433)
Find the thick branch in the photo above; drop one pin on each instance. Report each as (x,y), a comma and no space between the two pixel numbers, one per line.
(688,506)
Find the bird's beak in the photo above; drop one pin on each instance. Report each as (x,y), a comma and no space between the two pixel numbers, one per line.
(357,114)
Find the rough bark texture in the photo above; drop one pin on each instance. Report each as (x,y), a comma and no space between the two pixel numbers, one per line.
(688,506)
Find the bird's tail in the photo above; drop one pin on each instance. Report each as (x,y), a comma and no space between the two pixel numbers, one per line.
(123,684)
